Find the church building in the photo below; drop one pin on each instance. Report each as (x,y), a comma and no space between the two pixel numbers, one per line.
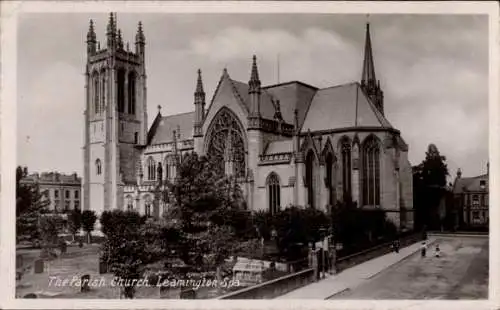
(285,144)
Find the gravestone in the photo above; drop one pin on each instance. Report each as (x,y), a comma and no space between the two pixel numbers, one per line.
(188,293)
(39,264)
(103,267)
(19,261)
(85,283)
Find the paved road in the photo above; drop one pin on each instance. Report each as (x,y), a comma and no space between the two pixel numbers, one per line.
(460,273)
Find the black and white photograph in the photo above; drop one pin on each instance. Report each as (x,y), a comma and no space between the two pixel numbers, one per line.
(338,156)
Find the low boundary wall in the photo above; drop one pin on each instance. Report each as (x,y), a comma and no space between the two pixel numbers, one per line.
(274,288)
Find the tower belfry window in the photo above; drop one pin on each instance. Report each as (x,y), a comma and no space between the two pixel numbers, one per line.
(131,93)
(96,94)
(121,90)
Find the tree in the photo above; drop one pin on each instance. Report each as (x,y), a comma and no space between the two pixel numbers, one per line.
(205,212)
(88,221)
(125,249)
(75,222)
(50,226)
(429,183)
(31,203)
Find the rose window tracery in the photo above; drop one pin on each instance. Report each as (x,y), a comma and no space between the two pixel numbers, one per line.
(226,144)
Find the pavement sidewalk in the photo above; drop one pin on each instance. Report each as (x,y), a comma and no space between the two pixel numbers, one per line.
(354,276)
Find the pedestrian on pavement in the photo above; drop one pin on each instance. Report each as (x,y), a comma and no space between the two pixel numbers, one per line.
(397,245)
(423,248)
(438,250)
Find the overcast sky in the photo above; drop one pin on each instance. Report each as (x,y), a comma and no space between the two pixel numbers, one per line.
(433,69)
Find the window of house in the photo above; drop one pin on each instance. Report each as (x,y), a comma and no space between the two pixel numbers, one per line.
(66,205)
(56,193)
(76,194)
(475,215)
(482,184)
(310,173)
(475,200)
(147,209)
(67,194)
(130,204)
(273,193)
(136,137)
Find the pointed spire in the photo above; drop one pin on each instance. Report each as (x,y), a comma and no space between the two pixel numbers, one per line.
(159,109)
(119,39)
(254,82)
(368,75)
(139,37)
(111,29)
(91,37)
(199,83)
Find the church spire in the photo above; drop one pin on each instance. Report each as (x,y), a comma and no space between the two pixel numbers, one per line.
(369,82)
(140,40)
(368,76)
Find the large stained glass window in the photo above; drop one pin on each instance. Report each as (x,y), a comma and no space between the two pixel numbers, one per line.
(371,172)
(226,143)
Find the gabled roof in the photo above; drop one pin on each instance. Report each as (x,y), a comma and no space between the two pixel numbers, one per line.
(472,184)
(342,106)
(163,127)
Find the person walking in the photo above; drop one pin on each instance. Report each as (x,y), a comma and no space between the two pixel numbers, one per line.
(438,251)
(396,245)
(423,249)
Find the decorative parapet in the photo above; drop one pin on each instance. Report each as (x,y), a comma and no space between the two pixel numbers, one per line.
(169,147)
(277,158)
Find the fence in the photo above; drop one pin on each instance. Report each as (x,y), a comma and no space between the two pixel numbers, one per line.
(379,250)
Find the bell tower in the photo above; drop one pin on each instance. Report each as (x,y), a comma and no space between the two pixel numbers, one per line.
(115,116)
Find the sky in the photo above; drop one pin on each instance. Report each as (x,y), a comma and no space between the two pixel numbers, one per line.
(432,68)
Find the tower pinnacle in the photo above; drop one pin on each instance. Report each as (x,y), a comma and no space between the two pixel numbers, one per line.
(254,82)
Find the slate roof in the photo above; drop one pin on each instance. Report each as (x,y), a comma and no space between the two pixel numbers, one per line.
(163,126)
(340,107)
(293,95)
(267,108)
(280,146)
(470,184)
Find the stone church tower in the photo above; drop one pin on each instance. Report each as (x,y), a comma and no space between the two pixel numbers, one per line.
(115,116)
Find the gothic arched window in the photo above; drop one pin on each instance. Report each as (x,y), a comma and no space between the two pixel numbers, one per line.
(103,91)
(273,193)
(224,128)
(95,80)
(98,166)
(371,172)
(167,169)
(151,168)
(147,206)
(130,203)
(329,178)
(131,93)
(346,166)
(310,178)
(121,90)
